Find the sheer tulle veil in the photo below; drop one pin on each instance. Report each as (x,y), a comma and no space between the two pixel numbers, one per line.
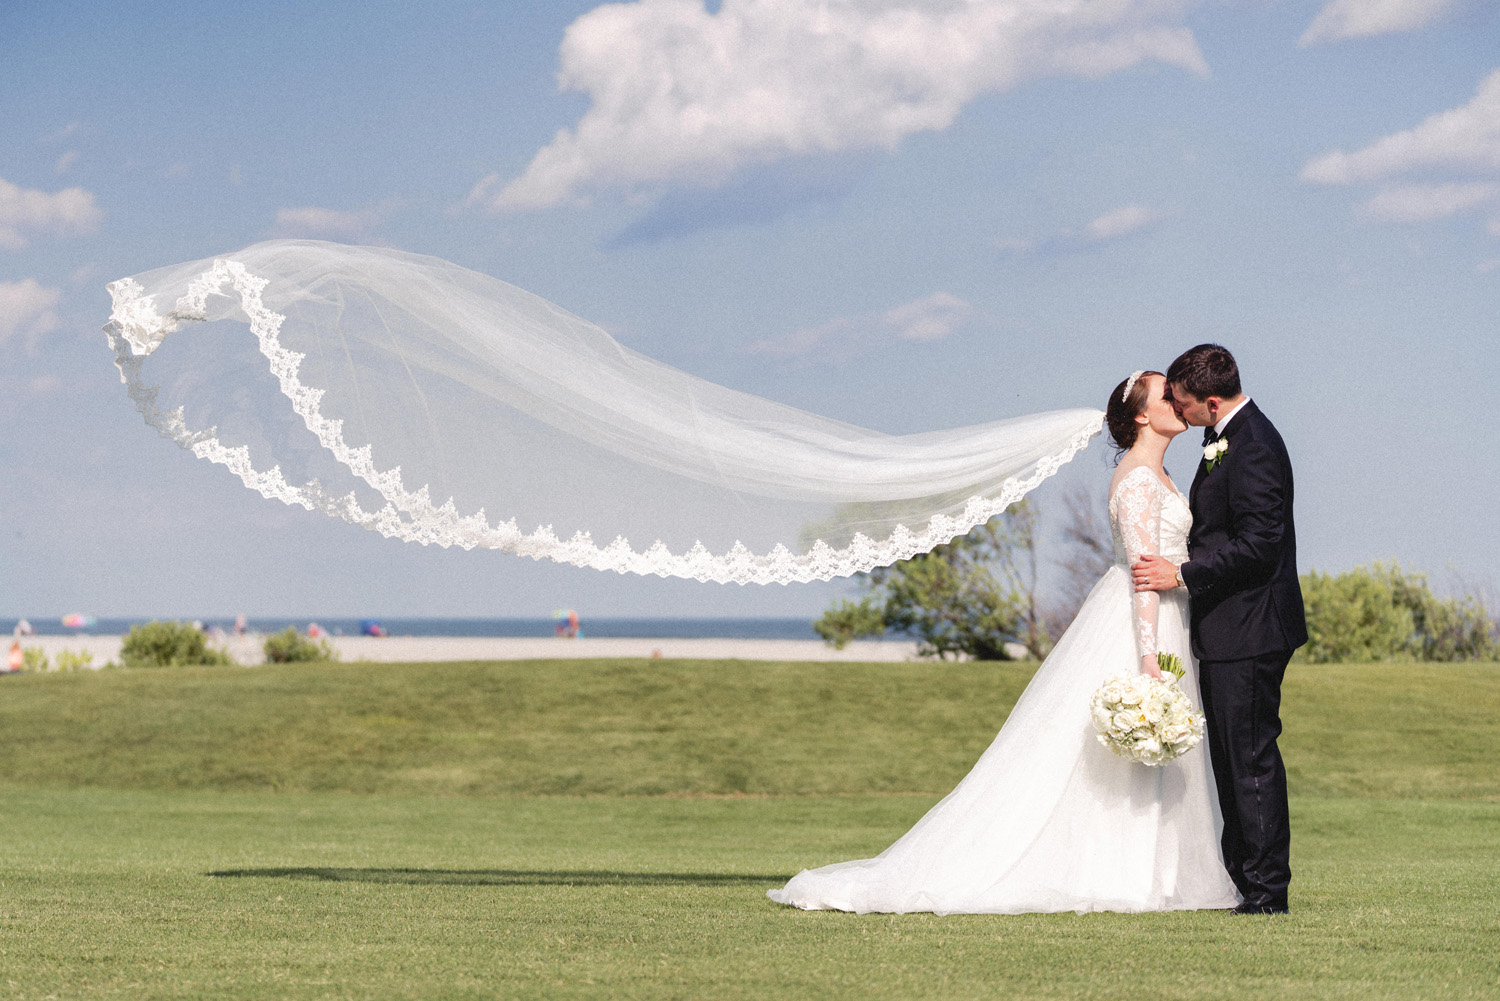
(433,404)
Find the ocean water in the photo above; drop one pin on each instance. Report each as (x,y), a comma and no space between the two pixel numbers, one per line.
(602,628)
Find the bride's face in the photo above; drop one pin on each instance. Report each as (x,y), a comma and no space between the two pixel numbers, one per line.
(1159,414)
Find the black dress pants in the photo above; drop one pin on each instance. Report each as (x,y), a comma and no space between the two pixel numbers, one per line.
(1242,700)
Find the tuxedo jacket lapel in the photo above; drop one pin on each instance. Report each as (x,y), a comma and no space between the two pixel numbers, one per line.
(1193,490)
(1235,422)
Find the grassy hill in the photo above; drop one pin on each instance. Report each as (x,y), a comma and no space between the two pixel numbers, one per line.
(574,830)
(639,727)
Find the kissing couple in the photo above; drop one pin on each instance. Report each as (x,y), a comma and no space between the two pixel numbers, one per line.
(1048,819)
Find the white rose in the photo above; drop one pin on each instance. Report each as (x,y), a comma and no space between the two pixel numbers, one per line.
(1210,452)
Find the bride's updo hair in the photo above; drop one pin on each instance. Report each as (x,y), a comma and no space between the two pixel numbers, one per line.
(1124,408)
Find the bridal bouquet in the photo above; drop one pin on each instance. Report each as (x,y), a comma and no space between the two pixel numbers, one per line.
(1147,719)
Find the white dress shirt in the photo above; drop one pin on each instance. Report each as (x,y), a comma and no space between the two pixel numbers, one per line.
(1224,421)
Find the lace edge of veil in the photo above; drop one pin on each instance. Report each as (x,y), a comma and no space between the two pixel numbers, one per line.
(136,329)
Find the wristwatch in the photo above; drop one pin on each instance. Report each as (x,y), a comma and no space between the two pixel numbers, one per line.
(1180,581)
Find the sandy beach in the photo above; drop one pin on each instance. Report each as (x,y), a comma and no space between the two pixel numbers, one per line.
(418,649)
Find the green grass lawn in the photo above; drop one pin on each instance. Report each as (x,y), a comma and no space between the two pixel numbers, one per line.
(580,829)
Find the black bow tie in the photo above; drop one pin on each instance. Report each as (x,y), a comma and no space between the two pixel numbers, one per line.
(1210,435)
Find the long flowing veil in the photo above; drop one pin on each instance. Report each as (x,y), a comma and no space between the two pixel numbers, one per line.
(433,404)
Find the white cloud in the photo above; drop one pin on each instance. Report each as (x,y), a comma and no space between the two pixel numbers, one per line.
(930,318)
(65,161)
(1120,222)
(27,310)
(1463,139)
(834,340)
(1112,225)
(1454,154)
(1341,19)
(27,212)
(1485,267)
(312,221)
(680,93)
(1421,202)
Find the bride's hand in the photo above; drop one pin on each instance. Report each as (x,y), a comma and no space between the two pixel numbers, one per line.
(1150,666)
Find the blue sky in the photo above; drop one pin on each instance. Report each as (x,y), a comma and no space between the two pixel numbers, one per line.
(904,214)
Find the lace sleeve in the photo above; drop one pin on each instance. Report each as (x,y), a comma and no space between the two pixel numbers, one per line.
(1138,510)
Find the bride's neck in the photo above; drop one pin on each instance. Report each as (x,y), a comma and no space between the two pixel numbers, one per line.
(1150,449)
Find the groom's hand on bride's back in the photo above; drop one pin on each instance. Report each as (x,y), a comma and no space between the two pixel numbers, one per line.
(1153,573)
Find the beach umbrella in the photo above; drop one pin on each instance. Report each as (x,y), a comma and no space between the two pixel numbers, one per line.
(77,620)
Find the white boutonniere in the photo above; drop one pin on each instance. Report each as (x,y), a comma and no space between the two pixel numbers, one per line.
(1213,453)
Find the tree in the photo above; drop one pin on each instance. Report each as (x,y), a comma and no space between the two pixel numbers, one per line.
(1088,551)
(972,596)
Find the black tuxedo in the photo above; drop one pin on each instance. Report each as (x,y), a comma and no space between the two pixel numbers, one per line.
(1242,565)
(1247,618)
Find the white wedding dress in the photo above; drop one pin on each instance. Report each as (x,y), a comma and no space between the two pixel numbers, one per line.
(1049,819)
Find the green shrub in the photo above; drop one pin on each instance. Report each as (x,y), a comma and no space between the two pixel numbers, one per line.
(67,660)
(1445,629)
(169,644)
(290,646)
(1380,613)
(35,659)
(851,620)
(1353,617)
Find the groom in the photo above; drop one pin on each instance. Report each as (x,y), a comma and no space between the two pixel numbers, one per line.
(1246,609)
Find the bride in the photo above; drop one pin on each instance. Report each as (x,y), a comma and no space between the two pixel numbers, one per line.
(1048,819)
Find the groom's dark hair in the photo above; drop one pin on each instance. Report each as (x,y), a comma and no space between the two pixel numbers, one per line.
(1206,370)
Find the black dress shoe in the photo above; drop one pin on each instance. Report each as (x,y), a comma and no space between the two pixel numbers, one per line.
(1249,908)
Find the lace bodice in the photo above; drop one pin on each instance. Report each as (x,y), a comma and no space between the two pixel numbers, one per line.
(1147,516)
